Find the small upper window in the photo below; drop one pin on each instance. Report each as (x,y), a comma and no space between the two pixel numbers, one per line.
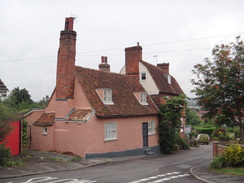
(107,96)
(169,79)
(44,132)
(143,98)
(143,76)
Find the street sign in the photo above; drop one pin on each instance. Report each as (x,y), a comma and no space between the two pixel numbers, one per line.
(187,129)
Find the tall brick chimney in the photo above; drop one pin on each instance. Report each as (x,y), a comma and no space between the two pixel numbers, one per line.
(164,67)
(132,57)
(66,61)
(104,66)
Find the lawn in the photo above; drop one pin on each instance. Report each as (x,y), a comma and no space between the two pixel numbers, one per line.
(233,171)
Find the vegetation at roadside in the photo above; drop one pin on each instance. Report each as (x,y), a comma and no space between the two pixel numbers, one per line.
(229,170)
(18,102)
(233,156)
(171,114)
(219,85)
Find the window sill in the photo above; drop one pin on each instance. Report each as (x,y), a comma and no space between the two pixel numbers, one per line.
(143,103)
(108,140)
(108,103)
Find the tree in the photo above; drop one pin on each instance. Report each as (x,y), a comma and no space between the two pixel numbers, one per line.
(191,117)
(5,118)
(18,97)
(171,114)
(219,84)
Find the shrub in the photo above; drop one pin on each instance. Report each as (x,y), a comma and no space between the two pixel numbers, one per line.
(224,137)
(181,143)
(234,155)
(6,159)
(5,155)
(218,162)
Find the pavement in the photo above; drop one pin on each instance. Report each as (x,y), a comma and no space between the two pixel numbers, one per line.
(39,162)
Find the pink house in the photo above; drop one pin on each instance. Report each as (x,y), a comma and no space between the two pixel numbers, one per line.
(94,113)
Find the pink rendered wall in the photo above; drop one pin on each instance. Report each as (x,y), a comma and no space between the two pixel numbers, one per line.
(89,137)
(40,141)
(62,108)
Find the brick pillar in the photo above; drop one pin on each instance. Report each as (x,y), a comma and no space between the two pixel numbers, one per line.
(215,148)
(66,62)
(132,57)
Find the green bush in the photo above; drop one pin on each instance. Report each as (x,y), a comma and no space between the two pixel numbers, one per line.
(224,137)
(181,143)
(5,155)
(6,159)
(234,155)
(218,162)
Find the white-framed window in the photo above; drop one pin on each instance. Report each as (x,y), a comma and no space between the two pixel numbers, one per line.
(143,76)
(107,96)
(151,127)
(143,98)
(169,79)
(44,132)
(110,131)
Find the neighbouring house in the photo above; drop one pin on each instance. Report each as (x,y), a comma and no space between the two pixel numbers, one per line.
(3,89)
(94,113)
(156,80)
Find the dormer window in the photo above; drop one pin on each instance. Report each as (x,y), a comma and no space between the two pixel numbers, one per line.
(107,96)
(143,76)
(169,79)
(143,98)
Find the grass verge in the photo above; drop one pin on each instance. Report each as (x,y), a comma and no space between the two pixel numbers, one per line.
(229,170)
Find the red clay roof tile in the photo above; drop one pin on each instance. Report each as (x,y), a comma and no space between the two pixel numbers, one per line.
(123,86)
(46,119)
(160,79)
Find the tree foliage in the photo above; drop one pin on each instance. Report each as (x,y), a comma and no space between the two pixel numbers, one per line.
(219,84)
(18,97)
(171,114)
(191,117)
(5,118)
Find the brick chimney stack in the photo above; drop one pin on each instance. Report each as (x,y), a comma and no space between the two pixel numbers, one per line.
(164,67)
(66,61)
(104,66)
(132,57)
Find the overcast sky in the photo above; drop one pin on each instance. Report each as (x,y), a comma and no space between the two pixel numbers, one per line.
(181,32)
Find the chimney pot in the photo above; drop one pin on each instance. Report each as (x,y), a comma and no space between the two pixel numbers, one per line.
(104,66)
(69,23)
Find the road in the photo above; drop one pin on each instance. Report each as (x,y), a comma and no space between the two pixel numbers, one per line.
(172,168)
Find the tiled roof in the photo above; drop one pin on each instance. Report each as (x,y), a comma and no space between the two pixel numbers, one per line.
(3,88)
(46,119)
(79,115)
(162,84)
(123,86)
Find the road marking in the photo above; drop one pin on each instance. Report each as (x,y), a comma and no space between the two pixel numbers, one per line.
(154,177)
(169,178)
(173,175)
(56,180)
